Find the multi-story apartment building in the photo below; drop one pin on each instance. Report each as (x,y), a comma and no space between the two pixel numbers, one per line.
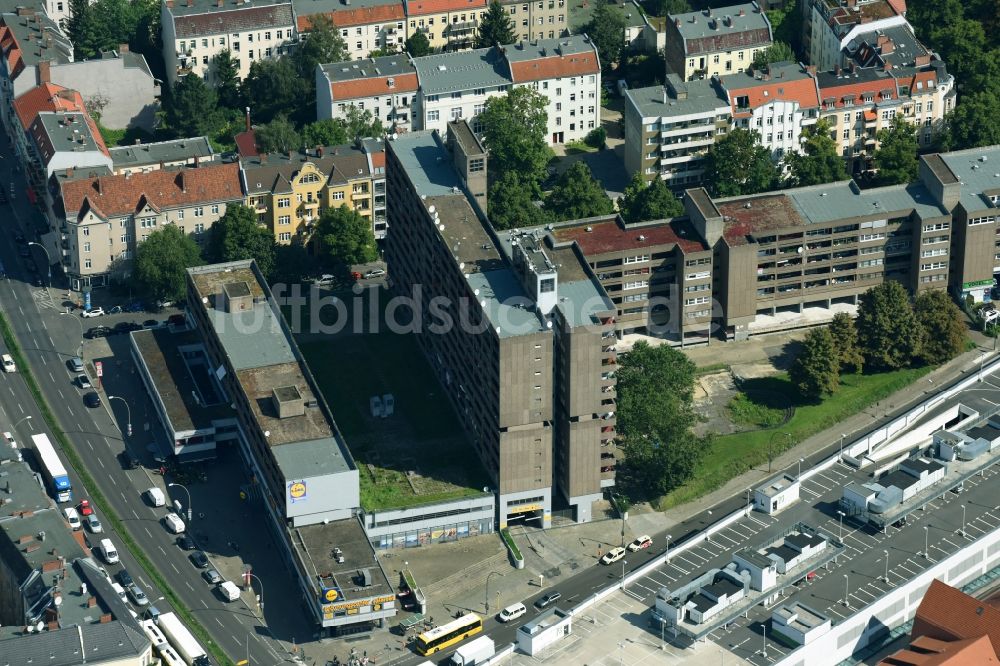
(365,25)
(104,217)
(195,31)
(428,92)
(145,157)
(830,26)
(538,19)
(26,39)
(668,129)
(776,102)
(306,485)
(744,266)
(703,44)
(522,341)
(289,191)
(386,86)
(449,24)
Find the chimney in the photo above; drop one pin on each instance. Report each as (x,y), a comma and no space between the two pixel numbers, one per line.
(106,618)
(887,67)
(69,172)
(122,48)
(170,4)
(319,151)
(854,67)
(888,47)
(196,161)
(25,11)
(248,119)
(91,602)
(837,70)
(742,12)
(218,3)
(851,4)
(811,70)
(190,3)
(51,565)
(44,72)
(677,23)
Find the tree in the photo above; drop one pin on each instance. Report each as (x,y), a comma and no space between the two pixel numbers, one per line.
(326,132)
(655,416)
(819,161)
(606,30)
(495,28)
(346,237)
(888,332)
(816,370)
(845,339)
(362,124)
(291,263)
(511,203)
(514,129)
(776,52)
(226,73)
(643,202)
(320,46)
(237,235)
(943,327)
(161,260)
(671,7)
(277,136)
(577,195)
(86,31)
(192,108)
(274,87)
(418,45)
(972,123)
(896,157)
(738,164)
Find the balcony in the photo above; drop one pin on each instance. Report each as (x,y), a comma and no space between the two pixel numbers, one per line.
(462,28)
(310,205)
(359,194)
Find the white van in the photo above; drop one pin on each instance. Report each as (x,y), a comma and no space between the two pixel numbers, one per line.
(120,591)
(108,551)
(229,590)
(512,612)
(155,496)
(173,522)
(72,517)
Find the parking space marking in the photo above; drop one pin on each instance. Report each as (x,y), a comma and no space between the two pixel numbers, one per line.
(814,481)
(688,561)
(804,489)
(723,536)
(756,520)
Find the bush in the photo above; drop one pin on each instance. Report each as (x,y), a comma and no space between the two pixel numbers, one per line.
(509,540)
(597,138)
(745,411)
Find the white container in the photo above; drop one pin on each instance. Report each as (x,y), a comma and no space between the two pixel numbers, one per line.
(229,590)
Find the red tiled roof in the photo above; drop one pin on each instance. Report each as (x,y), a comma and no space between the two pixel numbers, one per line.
(46,97)
(246,144)
(120,195)
(802,91)
(425,7)
(370,87)
(550,68)
(855,91)
(610,236)
(346,18)
(12,52)
(948,614)
(924,651)
(765,213)
(899,6)
(378,159)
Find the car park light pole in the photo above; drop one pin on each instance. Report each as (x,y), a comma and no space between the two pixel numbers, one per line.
(624,562)
(840,514)
(847,603)
(128,412)
(490,575)
(260,597)
(48,263)
(841,458)
(799,475)
(26,418)
(886,553)
(963,521)
(927,554)
(189,513)
(79,349)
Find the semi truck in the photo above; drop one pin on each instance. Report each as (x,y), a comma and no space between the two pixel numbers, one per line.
(180,638)
(476,652)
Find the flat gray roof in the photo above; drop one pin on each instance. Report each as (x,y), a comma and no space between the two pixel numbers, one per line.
(703,98)
(161,151)
(313,458)
(695,25)
(418,152)
(65,137)
(462,70)
(544,621)
(546,48)
(978,170)
(25,493)
(837,201)
(317,542)
(349,70)
(502,292)
(68,646)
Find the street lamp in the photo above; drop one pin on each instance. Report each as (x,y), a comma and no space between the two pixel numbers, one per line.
(48,263)
(799,475)
(128,411)
(260,597)
(927,554)
(763,652)
(982,356)
(842,436)
(79,349)
(487,597)
(847,603)
(189,501)
(151,605)
(26,418)
(963,522)
(624,562)
(748,500)
(841,515)
(886,553)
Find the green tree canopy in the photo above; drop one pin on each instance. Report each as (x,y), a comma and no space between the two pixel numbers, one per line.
(291,263)
(845,339)
(514,129)
(577,195)
(321,45)
(495,28)
(972,123)
(607,30)
(361,124)
(943,326)
(888,332)
(226,74)
(655,416)
(193,108)
(105,24)
(896,157)
(277,136)
(511,203)
(326,132)
(819,161)
(738,164)
(418,45)
(668,7)
(237,235)
(345,237)
(273,88)
(776,52)
(816,370)
(161,260)
(654,201)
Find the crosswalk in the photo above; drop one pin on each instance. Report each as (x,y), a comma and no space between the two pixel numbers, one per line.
(43,299)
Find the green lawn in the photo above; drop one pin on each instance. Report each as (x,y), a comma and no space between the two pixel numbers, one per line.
(730,455)
(423,435)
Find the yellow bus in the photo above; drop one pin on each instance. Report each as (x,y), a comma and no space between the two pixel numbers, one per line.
(443,637)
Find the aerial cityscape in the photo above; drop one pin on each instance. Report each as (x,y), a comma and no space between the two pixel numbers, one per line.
(486,332)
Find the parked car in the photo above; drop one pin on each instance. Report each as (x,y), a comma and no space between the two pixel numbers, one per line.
(548,600)
(94,523)
(84,508)
(127,327)
(124,577)
(173,523)
(211,576)
(83,382)
(185,542)
(155,496)
(127,460)
(613,555)
(92,312)
(138,597)
(199,559)
(9,438)
(92,400)
(641,542)
(115,310)
(75,364)
(98,332)
(8,363)
(72,517)
(374,273)
(151,323)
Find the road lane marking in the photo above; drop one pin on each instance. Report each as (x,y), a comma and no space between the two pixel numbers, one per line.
(51,342)
(51,377)
(145,584)
(188,584)
(88,443)
(112,477)
(136,515)
(174,567)
(203,603)
(20,407)
(100,461)
(148,532)
(59,391)
(162,551)
(220,622)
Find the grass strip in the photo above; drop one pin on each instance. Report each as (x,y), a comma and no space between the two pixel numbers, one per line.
(728,456)
(509,540)
(97,497)
(709,369)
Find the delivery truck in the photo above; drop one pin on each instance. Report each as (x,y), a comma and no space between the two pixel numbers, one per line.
(476,652)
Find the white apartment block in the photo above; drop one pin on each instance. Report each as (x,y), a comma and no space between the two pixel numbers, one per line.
(386,86)
(365,25)
(195,31)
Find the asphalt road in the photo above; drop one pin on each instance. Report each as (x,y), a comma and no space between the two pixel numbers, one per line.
(48,339)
